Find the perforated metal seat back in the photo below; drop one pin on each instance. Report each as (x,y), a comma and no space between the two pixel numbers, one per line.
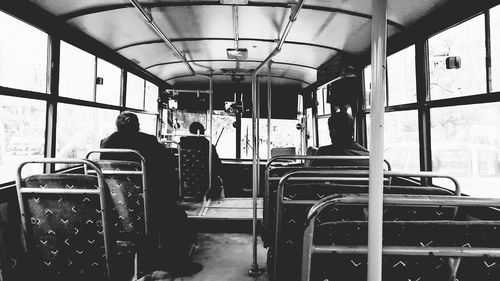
(194,174)
(293,219)
(428,234)
(127,194)
(65,231)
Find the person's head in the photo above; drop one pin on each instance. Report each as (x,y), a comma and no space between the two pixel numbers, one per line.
(196,128)
(341,126)
(127,122)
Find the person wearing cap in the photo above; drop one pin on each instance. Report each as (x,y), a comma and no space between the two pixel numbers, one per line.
(341,127)
(168,218)
(198,142)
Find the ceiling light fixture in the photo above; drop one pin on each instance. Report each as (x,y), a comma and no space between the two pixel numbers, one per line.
(234,2)
(237,53)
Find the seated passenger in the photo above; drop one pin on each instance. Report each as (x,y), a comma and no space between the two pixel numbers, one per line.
(201,143)
(341,126)
(168,220)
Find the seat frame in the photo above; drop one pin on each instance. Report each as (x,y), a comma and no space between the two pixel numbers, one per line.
(453,253)
(101,191)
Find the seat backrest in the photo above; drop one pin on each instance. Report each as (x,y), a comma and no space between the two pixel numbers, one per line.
(294,200)
(66,223)
(11,244)
(273,177)
(400,234)
(125,181)
(194,174)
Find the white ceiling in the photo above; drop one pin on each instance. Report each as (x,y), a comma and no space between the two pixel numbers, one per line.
(203,30)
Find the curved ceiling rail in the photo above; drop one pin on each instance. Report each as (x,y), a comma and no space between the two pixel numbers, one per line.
(277,50)
(213,74)
(152,24)
(228,60)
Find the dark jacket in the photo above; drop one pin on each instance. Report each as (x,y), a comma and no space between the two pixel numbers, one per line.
(348,148)
(160,164)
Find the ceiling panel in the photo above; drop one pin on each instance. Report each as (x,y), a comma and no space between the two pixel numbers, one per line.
(59,8)
(191,82)
(115,28)
(337,24)
(179,69)
(262,22)
(195,21)
(407,12)
(157,53)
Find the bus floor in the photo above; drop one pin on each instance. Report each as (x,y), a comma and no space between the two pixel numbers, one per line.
(224,240)
(225,257)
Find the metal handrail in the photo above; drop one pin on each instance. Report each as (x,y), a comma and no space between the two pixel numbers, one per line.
(254,270)
(101,191)
(143,172)
(149,20)
(394,200)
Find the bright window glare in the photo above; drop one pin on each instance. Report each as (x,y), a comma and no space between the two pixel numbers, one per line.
(109,91)
(151,97)
(22,131)
(401,77)
(495,48)
(23,55)
(135,91)
(466,41)
(147,123)
(367,85)
(80,129)
(77,73)
(466,144)
(323,131)
(224,135)
(401,139)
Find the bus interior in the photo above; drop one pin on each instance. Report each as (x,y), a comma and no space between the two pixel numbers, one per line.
(421,80)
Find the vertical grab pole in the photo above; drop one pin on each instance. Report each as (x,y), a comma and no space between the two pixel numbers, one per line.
(269,110)
(376,162)
(210,108)
(254,269)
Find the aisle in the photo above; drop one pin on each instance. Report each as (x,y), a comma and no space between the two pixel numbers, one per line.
(225,257)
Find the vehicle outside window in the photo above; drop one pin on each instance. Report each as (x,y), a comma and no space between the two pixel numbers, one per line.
(466,144)
(476,167)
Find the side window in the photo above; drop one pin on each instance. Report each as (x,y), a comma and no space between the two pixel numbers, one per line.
(466,42)
(22,129)
(23,55)
(77,73)
(135,91)
(401,79)
(108,91)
